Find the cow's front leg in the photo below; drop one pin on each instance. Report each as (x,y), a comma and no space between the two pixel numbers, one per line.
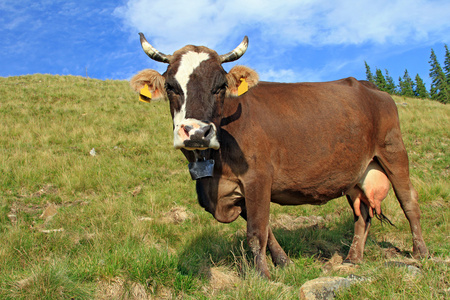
(257,203)
(279,257)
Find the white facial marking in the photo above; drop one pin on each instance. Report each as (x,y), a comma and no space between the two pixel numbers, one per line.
(189,62)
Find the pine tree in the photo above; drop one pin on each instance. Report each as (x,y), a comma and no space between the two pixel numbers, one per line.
(369,75)
(406,85)
(421,90)
(447,65)
(380,81)
(390,84)
(400,86)
(439,88)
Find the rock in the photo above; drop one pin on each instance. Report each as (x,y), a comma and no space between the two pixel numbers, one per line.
(336,264)
(325,288)
(412,270)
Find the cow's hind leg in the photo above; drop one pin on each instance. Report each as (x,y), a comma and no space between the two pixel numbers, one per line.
(395,165)
(362,225)
(393,158)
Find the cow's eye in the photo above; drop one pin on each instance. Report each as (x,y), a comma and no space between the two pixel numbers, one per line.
(219,89)
(170,89)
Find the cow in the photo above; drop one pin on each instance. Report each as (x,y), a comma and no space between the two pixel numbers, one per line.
(250,143)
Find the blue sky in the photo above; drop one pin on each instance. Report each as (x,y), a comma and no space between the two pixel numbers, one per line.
(293,40)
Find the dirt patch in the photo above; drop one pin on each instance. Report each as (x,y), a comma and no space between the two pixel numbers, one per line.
(177,215)
(49,212)
(290,222)
(46,189)
(46,212)
(222,278)
(24,283)
(137,190)
(117,288)
(392,252)
(17,208)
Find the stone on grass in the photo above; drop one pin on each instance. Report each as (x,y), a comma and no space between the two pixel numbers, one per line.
(325,288)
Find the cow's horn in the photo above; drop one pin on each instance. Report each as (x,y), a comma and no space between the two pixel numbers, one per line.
(236,53)
(152,52)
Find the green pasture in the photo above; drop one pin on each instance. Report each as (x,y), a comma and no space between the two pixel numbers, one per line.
(125,223)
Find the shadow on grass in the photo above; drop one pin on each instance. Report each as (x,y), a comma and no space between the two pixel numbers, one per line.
(392,251)
(212,247)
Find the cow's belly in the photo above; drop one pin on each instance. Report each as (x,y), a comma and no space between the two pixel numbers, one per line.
(290,197)
(308,195)
(296,186)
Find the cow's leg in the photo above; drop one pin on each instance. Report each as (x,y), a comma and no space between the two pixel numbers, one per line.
(396,167)
(279,257)
(362,225)
(257,203)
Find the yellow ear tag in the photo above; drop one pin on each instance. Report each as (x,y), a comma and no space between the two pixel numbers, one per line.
(145,95)
(243,87)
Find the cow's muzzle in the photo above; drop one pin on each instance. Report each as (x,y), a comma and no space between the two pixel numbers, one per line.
(192,134)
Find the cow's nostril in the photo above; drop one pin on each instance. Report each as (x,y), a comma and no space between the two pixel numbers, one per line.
(207,131)
(186,129)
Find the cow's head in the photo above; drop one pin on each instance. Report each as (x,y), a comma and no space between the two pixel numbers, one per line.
(196,85)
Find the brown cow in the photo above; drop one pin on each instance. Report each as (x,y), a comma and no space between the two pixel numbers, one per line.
(288,143)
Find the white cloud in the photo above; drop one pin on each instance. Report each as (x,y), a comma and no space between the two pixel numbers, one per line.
(281,31)
(305,74)
(173,24)
(280,75)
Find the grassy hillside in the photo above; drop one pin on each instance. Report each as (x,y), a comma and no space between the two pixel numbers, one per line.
(125,223)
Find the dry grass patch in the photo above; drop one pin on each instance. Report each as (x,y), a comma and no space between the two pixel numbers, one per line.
(118,288)
(222,278)
(290,222)
(176,215)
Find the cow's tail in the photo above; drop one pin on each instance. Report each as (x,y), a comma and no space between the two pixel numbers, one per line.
(383,219)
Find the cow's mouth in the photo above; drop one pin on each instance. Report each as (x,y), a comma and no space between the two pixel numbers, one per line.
(195,135)
(199,144)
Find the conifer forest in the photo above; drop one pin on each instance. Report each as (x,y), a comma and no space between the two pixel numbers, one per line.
(409,87)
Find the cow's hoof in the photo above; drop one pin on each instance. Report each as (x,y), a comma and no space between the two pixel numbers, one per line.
(281,261)
(349,261)
(421,252)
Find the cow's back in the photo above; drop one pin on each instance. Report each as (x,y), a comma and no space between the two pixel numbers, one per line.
(316,139)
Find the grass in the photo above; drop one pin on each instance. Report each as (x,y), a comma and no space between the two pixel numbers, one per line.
(126,223)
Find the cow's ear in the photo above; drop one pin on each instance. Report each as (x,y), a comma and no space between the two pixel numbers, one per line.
(154,81)
(241,75)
